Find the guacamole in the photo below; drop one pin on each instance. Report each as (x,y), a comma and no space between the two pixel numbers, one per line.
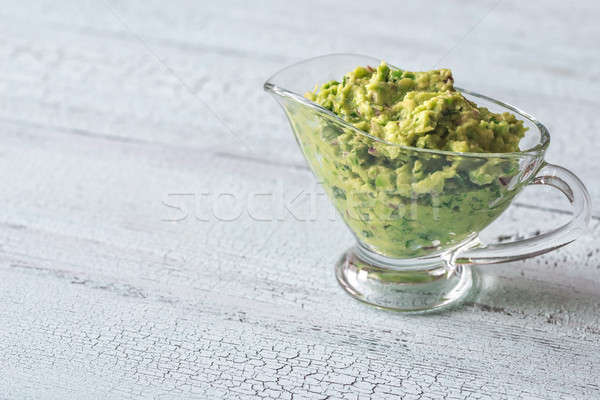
(418,109)
(399,201)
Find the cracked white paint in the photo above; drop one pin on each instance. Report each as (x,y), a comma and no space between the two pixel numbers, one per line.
(101,298)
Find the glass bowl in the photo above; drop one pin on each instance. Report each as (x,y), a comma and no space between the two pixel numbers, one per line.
(416,213)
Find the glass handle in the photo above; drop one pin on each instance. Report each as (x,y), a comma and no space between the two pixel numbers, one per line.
(558,178)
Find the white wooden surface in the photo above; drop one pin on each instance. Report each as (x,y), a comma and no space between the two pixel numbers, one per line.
(104,123)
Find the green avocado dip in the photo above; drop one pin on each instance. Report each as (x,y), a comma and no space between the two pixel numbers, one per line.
(398,200)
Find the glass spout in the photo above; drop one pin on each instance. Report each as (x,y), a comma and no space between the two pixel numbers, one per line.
(304,75)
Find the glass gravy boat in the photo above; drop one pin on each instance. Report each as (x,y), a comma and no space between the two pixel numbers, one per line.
(416,213)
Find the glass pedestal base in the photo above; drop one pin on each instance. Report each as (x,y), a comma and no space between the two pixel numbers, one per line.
(413,286)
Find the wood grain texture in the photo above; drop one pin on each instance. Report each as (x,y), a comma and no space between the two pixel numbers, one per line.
(117,279)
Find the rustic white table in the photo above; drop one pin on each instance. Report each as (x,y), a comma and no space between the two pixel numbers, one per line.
(132,135)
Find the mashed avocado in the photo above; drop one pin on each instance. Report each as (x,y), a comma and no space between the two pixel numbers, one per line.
(418,109)
(404,202)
